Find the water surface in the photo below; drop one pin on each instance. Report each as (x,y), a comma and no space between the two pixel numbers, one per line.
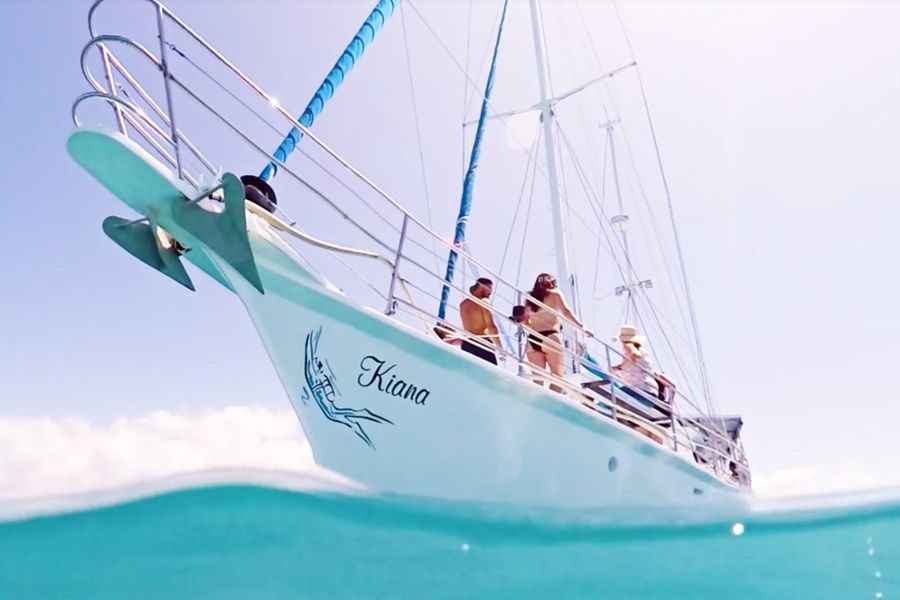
(255,540)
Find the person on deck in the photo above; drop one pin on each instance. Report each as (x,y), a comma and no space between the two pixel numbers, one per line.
(636,370)
(540,319)
(479,321)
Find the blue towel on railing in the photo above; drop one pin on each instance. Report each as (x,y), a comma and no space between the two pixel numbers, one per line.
(593,367)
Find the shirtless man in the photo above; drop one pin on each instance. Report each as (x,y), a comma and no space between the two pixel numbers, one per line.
(478,321)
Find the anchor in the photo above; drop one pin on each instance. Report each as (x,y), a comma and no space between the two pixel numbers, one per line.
(150,244)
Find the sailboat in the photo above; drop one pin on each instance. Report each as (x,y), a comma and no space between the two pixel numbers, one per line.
(381,397)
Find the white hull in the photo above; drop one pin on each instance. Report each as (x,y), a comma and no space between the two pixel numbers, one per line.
(470,431)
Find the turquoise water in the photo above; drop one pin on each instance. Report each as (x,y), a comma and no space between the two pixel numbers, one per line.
(251,541)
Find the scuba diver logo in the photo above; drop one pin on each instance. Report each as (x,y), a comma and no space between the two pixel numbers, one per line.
(320,381)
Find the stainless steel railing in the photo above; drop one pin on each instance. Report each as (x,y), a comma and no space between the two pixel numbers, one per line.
(405,255)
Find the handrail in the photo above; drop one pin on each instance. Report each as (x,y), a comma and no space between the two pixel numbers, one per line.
(544,374)
(120,68)
(135,111)
(734,450)
(308,134)
(100,42)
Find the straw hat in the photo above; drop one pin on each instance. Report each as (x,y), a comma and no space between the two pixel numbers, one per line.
(627,333)
(638,340)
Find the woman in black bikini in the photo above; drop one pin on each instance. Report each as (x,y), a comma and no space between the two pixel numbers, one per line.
(544,349)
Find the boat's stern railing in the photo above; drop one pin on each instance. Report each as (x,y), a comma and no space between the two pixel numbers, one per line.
(412,252)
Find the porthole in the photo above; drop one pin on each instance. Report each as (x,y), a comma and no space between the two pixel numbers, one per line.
(613,464)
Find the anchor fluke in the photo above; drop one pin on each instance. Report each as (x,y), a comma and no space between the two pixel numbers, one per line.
(140,241)
(224,233)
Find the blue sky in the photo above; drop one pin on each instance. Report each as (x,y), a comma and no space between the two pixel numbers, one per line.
(778,126)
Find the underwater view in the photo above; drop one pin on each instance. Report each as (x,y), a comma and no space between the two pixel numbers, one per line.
(272,540)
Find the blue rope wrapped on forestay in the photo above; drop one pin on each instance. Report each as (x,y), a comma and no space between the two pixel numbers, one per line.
(380,14)
(465,205)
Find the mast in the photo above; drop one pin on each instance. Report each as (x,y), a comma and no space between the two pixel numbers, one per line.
(620,221)
(465,204)
(352,53)
(564,273)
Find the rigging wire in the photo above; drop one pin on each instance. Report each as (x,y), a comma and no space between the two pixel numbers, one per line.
(415,108)
(610,89)
(465,104)
(495,113)
(527,222)
(573,259)
(484,62)
(614,98)
(567,203)
(601,201)
(222,87)
(599,213)
(531,156)
(268,123)
(687,380)
(670,326)
(340,181)
(669,270)
(592,196)
(601,217)
(707,392)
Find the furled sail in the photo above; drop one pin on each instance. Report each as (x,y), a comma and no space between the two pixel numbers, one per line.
(379,15)
(465,205)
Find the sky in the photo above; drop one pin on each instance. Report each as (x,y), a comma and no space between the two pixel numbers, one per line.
(778,129)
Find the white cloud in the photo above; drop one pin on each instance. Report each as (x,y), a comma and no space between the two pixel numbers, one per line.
(48,457)
(43,457)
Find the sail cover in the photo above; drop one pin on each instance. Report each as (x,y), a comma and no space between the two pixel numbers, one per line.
(465,205)
(379,15)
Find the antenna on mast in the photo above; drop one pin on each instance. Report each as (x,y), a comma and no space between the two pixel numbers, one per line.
(620,223)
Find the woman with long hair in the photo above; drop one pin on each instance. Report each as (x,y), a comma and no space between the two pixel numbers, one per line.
(541,321)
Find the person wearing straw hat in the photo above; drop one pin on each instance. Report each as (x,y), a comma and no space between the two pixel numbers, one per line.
(636,370)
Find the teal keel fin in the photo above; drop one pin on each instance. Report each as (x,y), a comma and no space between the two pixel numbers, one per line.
(224,233)
(139,240)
